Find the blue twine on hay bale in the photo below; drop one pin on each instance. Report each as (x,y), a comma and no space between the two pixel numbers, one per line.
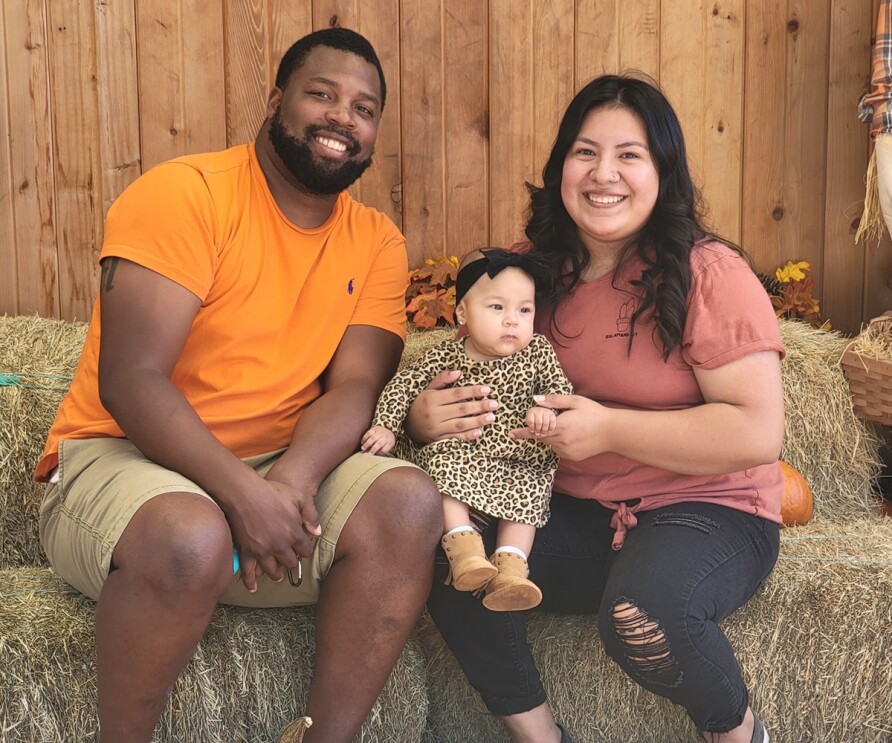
(8,379)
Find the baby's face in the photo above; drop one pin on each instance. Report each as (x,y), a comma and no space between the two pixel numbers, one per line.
(499,314)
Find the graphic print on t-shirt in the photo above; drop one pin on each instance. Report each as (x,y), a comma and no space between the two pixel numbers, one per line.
(624,318)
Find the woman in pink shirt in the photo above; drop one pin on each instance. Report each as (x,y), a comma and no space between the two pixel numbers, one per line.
(666,506)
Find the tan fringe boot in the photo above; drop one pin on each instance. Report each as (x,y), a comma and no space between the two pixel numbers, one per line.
(511,590)
(469,570)
(294,733)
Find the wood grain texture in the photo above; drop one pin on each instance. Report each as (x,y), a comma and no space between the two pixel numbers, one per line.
(247,55)
(421,76)
(765,89)
(763,135)
(512,116)
(181,78)
(553,76)
(721,153)
(118,97)
(639,37)
(203,75)
(161,98)
(806,74)
(597,39)
(31,158)
(683,45)
(77,171)
(847,151)
(465,126)
(9,280)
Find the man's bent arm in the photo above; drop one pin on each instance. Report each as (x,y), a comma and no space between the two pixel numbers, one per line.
(329,430)
(146,319)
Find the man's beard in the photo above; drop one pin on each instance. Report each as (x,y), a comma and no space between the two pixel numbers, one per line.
(315,175)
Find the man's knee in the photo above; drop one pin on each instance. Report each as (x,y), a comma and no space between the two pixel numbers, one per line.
(177,542)
(406,502)
(418,497)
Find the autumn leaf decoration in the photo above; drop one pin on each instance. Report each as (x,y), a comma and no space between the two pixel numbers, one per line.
(792,294)
(430,298)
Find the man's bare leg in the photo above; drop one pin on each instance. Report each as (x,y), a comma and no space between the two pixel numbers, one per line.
(172,564)
(371,599)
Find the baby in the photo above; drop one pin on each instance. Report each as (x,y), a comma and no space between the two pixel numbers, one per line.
(505,478)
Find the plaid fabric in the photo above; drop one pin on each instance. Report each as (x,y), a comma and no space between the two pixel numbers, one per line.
(875,107)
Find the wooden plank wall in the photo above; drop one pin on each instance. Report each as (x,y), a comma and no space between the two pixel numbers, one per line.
(93,93)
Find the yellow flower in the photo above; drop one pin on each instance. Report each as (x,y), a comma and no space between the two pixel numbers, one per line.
(792,271)
(451,259)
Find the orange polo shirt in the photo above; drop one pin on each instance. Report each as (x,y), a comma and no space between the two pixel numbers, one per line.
(276,299)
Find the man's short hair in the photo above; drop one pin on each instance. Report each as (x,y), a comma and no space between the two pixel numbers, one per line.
(343,39)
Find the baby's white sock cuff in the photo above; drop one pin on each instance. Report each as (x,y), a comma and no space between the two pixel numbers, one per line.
(458,529)
(515,550)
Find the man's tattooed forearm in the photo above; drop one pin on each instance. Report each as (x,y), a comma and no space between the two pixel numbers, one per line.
(108,274)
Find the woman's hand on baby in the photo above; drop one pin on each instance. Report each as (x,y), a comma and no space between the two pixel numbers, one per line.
(441,411)
(377,440)
(541,421)
(580,430)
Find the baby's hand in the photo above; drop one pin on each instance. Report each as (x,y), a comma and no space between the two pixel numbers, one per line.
(377,440)
(541,421)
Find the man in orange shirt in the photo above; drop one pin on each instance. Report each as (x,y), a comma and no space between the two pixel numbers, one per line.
(249,314)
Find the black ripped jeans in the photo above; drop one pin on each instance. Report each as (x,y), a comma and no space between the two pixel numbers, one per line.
(683,569)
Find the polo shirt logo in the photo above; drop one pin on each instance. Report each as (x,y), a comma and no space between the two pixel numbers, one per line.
(350,286)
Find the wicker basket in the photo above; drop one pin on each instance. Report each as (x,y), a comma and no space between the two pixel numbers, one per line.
(870,378)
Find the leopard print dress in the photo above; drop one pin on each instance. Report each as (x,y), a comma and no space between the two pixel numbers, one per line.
(494,474)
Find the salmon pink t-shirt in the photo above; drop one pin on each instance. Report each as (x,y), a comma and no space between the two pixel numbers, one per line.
(276,298)
(729,316)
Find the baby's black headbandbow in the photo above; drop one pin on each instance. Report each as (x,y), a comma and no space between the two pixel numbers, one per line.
(493,262)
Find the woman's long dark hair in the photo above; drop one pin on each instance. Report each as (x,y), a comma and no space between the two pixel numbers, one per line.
(664,243)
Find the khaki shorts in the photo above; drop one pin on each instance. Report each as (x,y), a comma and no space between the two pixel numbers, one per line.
(100,483)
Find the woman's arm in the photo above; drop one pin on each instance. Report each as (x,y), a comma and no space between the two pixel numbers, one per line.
(740,425)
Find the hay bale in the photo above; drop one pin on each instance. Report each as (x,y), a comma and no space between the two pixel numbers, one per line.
(248,678)
(814,646)
(420,341)
(836,452)
(38,355)
(815,643)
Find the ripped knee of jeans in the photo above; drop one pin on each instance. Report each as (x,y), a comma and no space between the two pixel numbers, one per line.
(644,644)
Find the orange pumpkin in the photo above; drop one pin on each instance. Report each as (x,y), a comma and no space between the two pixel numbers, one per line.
(796,502)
